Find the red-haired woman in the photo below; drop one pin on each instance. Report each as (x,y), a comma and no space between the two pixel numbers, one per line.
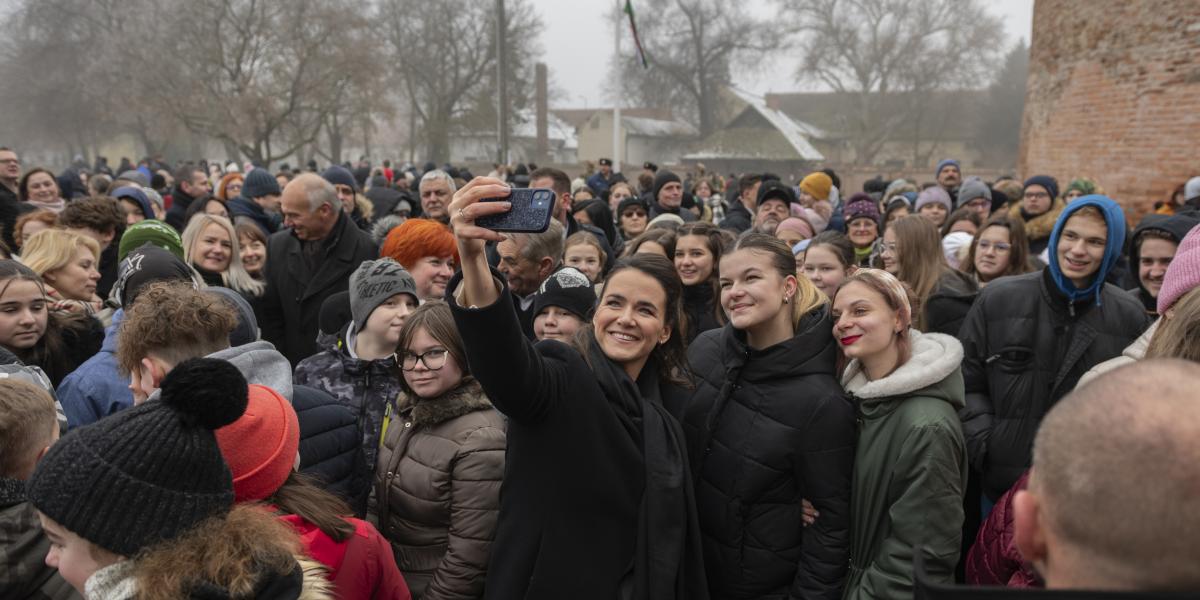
(427,250)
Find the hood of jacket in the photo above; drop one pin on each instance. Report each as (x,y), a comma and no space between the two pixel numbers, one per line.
(261,363)
(811,350)
(1039,227)
(1175,226)
(468,397)
(1114,220)
(935,358)
(955,284)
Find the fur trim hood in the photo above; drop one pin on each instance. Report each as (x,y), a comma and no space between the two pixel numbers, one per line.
(1041,226)
(468,397)
(935,358)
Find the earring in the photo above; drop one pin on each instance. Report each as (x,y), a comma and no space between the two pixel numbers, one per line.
(787,299)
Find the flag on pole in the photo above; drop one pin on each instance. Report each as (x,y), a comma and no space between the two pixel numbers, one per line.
(637,41)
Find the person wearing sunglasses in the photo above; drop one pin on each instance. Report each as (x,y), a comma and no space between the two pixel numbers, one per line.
(359,366)
(437,484)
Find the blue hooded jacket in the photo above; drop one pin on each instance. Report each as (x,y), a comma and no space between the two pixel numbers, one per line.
(1114,218)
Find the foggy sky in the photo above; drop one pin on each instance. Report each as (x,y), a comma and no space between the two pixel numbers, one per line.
(577,46)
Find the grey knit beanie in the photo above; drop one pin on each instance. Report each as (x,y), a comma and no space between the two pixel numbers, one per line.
(374,282)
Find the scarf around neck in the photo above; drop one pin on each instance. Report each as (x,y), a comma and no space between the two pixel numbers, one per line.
(668,560)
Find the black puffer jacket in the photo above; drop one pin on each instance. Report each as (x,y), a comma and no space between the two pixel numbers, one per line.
(1024,348)
(949,302)
(330,443)
(765,429)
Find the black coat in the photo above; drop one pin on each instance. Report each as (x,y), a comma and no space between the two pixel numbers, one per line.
(699,306)
(330,444)
(574,476)
(949,302)
(10,209)
(1025,347)
(765,429)
(292,301)
(737,218)
(177,215)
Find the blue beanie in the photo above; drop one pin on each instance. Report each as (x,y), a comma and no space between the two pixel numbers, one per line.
(1046,181)
(138,197)
(258,183)
(339,175)
(1114,218)
(946,162)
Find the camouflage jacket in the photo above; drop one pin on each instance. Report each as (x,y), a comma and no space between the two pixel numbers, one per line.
(369,387)
(23,548)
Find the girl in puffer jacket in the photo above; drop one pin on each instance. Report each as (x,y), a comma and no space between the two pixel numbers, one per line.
(437,485)
(261,449)
(767,425)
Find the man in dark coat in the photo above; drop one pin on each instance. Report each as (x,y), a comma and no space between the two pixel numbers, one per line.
(309,262)
(1029,338)
(603,179)
(191,185)
(740,215)
(666,197)
(259,201)
(10,172)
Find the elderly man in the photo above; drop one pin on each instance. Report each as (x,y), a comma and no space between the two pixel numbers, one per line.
(949,177)
(775,199)
(436,189)
(526,260)
(310,261)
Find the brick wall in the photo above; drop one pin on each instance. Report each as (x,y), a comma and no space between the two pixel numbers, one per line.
(1114,94)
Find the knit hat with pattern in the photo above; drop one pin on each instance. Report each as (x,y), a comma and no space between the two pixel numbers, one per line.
(149,473)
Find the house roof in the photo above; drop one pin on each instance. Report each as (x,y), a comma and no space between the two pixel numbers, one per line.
(577,117)
(657,127)
(557,130)
(949,116)
(761,133)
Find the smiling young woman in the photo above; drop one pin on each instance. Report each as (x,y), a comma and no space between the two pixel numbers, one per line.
(910,465)
(56,341)
(596,468)
(767,426)
(698,248)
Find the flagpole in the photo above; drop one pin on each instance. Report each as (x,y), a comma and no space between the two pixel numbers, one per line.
(616,130)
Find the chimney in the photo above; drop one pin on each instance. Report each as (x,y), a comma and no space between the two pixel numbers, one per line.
(543,128)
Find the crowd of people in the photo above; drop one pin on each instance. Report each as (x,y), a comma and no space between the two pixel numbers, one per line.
(219,381)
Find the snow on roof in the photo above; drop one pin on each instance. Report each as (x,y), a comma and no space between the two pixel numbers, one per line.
(657,127)
(797,133)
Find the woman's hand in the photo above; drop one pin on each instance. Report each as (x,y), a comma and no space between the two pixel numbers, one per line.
(810,513)
(465,208)
(478,286)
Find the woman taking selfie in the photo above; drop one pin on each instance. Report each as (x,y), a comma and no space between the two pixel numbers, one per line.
(910,467)
(598,499)
(767,426)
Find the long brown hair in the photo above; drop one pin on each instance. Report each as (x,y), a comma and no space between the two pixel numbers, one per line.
(1018,257)
(919,259)
(299,495)
(716,240)
(1178,335)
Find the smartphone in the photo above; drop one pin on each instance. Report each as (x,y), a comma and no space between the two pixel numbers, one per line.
(531,211)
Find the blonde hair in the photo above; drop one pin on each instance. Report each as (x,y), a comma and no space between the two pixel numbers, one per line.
(808,298)
(1178,335)
(52,249)
(898,297)
(235,275)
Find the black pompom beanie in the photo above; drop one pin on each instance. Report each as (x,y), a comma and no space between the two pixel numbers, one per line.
(149,473)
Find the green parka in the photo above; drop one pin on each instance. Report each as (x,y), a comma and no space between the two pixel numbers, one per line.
(910,470)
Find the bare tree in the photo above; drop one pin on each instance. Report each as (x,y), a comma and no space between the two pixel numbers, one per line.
(693,47)
(257,75)
(873,49)
(446,58)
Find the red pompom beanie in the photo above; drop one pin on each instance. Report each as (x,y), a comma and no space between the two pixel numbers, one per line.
(260,447)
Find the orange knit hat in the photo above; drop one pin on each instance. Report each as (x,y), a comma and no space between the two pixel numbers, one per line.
(261,446)
(817,185)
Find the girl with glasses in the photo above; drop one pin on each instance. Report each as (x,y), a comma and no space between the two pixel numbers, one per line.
(999,249)
(437,485)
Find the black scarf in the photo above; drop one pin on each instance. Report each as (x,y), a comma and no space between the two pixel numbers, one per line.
(668,562)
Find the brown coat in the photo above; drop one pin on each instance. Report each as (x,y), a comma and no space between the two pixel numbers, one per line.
(437,490)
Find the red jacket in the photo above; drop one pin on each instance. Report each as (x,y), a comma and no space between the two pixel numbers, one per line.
(994,558)
(360,567)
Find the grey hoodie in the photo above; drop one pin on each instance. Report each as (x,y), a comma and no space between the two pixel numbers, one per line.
(259,363)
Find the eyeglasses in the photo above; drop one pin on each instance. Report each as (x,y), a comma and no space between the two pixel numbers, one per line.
(1036,195)
(999,246)
(888,247)
(433,359)
(633,213)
